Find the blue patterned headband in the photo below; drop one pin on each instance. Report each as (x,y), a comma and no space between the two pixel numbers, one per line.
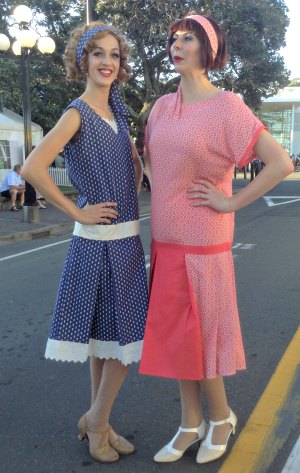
(88,35)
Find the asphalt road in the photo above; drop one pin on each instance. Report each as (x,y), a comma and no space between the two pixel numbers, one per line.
(41,400)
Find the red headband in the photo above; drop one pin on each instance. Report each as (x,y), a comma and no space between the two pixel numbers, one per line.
(209,30)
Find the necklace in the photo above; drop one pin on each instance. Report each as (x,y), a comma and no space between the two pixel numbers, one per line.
(103,112)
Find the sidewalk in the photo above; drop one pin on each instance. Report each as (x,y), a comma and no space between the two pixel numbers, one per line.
(52,222)
(293,176)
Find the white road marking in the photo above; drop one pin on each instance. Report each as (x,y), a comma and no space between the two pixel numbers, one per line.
(144,217)
(243,246)
(35,249)
(147,261)
(293,462)
(291,199)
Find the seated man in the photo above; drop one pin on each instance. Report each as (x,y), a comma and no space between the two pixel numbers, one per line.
(12,187)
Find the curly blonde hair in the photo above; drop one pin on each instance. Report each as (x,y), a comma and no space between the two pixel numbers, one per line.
(72,69)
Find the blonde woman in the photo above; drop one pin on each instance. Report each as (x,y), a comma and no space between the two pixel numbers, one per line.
(102,298)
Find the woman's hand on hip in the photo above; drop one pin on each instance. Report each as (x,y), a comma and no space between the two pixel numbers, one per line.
(98,213)
(205,194)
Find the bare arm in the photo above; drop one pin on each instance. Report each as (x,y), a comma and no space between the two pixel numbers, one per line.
(36,172)
(138,167)
(277,166)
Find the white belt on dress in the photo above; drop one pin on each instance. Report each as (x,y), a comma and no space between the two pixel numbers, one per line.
(107,232)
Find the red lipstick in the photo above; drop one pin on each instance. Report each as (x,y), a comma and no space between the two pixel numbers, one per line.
(177,59)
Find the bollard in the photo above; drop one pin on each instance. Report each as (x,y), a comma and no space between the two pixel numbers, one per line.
(31,214)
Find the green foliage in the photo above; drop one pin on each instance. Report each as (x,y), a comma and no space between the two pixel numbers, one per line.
(10,88)
(4,12)
(50,92)
(255,31)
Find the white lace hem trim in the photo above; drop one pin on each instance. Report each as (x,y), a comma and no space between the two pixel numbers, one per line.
(60,350)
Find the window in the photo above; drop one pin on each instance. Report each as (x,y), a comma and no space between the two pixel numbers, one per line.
(279,123)
(5,162)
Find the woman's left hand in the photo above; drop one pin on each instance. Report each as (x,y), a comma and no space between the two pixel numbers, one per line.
(203,193)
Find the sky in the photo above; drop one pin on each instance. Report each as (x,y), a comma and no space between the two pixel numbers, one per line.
(291,51)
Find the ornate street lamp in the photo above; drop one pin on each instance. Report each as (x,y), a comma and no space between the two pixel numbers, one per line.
(26,40)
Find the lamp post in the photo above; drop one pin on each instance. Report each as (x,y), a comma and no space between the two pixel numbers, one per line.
(90,11)
(26,40)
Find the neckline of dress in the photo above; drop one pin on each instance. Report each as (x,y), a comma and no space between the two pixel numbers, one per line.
(199,102)
(102,118)
(105,120)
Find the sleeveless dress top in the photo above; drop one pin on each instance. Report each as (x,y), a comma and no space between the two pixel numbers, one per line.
(101,303)
(193,329)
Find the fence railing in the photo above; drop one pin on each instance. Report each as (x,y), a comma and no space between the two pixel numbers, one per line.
(60,176)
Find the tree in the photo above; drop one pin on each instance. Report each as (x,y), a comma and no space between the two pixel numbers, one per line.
(8,69)
(49,91)
(255,30)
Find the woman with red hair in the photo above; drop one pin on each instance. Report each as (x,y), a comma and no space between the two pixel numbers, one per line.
(194,139)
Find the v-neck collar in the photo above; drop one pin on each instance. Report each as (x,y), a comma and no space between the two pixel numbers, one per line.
(101,118)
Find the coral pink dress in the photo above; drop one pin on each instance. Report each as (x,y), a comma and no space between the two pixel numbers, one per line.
(193,329)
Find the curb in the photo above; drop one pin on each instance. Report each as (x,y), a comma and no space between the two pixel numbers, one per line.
(38,233)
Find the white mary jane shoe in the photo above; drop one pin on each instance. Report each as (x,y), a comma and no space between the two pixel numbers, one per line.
(208,451)
(170,454)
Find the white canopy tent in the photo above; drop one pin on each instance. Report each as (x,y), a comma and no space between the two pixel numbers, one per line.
(12,138)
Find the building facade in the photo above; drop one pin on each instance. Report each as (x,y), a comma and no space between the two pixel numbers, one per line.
(281,114)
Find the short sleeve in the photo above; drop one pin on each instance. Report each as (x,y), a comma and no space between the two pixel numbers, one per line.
(243,129)
(11,181)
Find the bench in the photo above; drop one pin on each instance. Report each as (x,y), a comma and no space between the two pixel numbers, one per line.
(5,203)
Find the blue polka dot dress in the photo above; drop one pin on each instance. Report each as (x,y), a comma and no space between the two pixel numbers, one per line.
(102,297)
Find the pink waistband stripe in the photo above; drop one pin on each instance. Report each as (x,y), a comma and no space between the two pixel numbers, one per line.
(193,250)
